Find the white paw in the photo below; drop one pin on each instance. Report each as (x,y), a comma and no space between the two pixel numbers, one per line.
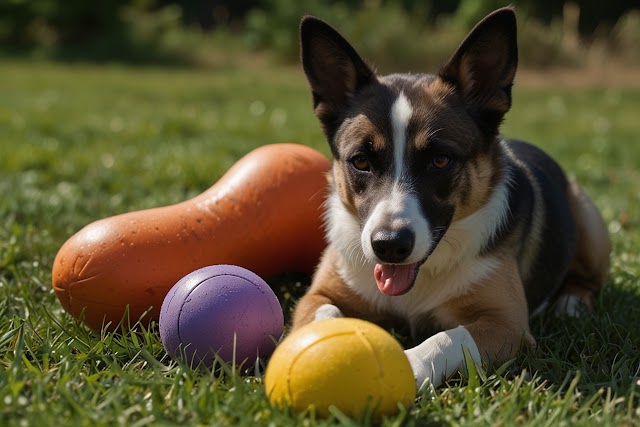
(440,356)
(568,305)
(422,370)
(327,311)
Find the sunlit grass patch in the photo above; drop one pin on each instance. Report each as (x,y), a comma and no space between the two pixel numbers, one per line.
(78,143)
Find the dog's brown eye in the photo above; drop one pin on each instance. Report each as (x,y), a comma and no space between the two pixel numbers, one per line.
(361,163)
(441,161)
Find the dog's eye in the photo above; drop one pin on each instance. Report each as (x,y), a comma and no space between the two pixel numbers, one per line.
(361,163)
(441,161)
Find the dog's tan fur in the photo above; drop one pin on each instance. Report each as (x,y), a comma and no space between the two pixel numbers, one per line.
(495,313)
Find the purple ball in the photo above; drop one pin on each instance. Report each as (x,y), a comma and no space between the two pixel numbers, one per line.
(203,311)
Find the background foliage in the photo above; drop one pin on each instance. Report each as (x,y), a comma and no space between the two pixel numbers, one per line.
(173,31)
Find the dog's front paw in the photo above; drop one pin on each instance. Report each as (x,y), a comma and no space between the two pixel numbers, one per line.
(327,311)
(422,369)
(440,356)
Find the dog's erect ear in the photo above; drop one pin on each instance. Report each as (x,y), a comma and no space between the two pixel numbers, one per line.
(334,69)
(484,66)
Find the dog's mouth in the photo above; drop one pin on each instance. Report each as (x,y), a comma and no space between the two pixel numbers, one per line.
(395,279)
(398,279)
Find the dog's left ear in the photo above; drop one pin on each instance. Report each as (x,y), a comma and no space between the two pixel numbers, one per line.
(484,66)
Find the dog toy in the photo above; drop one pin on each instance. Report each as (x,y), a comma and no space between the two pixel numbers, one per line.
(222,309)
(264,214)
(349,363)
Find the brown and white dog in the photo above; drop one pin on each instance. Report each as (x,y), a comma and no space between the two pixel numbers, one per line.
(434,220)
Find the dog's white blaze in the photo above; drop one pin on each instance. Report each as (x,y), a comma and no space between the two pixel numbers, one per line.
(401,113)
(441,355)
(401,208)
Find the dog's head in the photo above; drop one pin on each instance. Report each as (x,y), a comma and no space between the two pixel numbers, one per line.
(413,152)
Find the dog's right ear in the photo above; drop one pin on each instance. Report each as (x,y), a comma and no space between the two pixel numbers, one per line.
(334,69)
(484,66)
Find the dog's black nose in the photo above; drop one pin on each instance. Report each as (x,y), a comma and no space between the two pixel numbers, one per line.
(393,246)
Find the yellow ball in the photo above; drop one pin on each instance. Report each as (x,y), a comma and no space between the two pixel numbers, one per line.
(349,363)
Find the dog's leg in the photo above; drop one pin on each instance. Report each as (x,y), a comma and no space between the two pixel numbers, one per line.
(328,297)
(494,326)
(312,307)
(318,303)
(590,267)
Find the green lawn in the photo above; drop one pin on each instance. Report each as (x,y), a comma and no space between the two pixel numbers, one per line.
(78,143)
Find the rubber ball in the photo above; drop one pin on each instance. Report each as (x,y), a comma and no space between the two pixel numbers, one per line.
(222,309)
(349,363)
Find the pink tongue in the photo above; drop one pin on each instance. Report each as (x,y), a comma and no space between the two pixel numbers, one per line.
(394,279)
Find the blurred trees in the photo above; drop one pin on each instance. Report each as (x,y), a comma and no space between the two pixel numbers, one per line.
(25,22)
(134,27)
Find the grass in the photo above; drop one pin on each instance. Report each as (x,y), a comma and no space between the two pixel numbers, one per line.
(83,142)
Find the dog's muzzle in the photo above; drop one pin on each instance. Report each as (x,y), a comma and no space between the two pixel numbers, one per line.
(392,248)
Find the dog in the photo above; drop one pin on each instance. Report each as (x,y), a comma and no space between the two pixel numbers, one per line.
(435,222)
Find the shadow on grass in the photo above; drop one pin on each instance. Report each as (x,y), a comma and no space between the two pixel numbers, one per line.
(289,288)
(603,345)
